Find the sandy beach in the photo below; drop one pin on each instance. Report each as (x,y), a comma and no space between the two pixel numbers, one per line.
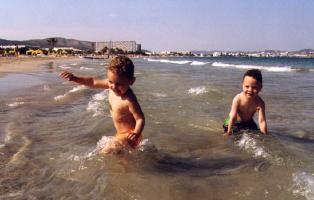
(26,63)
(20,72)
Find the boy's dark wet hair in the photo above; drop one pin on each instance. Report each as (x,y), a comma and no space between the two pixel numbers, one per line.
(256,74)
(122,66)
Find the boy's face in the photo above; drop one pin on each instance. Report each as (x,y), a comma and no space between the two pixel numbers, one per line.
(118,84)
(251,87)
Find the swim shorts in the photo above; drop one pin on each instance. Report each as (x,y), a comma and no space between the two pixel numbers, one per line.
(250,125)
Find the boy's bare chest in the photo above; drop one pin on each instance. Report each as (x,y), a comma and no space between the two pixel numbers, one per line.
(117,105)
(247,108)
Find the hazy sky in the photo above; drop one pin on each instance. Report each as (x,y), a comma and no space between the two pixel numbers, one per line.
(166,25)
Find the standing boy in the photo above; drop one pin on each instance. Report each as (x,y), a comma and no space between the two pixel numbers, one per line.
(125,110)
(246,103)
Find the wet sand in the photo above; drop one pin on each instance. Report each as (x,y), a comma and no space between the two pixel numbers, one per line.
(25,63)
(20,72)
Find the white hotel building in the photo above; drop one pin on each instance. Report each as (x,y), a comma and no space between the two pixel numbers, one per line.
(129,46)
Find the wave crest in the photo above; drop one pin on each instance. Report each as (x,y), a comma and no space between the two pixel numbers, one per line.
(97,105)
(73,90)
(267,68)
(179,62)
(198,63)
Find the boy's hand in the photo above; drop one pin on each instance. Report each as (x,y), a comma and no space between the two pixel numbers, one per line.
(133,139)
(228,133)
(67,75)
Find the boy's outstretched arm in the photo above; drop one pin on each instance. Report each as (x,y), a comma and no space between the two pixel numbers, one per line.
(232,115)
(262,119)
(88,81)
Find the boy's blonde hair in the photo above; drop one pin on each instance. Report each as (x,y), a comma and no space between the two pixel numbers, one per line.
(122,66)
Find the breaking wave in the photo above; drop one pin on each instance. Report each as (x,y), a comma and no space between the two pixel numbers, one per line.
(267,68)
(179,62)
(64,67)
(85,68)
(251,144)
(198,63)
(73,90)
(15,104)
(97,104)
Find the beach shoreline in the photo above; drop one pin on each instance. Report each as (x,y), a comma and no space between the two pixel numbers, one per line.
(26,63)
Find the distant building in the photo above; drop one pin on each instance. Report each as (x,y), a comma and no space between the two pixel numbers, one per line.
(128,46)
(11,46)
(139,47)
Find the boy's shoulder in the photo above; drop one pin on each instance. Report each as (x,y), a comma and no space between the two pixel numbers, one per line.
(130,96)
(260,101)
(238,97)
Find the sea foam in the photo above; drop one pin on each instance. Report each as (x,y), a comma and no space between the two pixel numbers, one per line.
(179,62)
(85,68)
(303,185)
(105,142)
(64,67)
(198,63)
(197,90)
(15,104)
(250,145)
(109,141)
(97,104)
(73,90)
(266,68)
(159,95)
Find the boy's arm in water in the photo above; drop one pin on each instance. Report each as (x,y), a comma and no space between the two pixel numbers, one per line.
(262,118)
(138,115)
(88,81)
(233,114)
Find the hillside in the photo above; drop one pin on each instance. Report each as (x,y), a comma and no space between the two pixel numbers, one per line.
(43,43)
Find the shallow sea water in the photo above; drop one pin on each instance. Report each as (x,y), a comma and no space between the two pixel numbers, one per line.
(50,131)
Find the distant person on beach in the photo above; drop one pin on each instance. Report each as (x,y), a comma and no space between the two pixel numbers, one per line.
(245,104)
(125,110)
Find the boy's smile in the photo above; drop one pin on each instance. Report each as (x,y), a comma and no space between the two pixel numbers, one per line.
(251,87)
(118,84)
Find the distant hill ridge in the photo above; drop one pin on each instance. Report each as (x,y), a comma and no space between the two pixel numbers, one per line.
(43,43)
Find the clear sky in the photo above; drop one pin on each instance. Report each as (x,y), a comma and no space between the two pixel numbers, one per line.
(166,25)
